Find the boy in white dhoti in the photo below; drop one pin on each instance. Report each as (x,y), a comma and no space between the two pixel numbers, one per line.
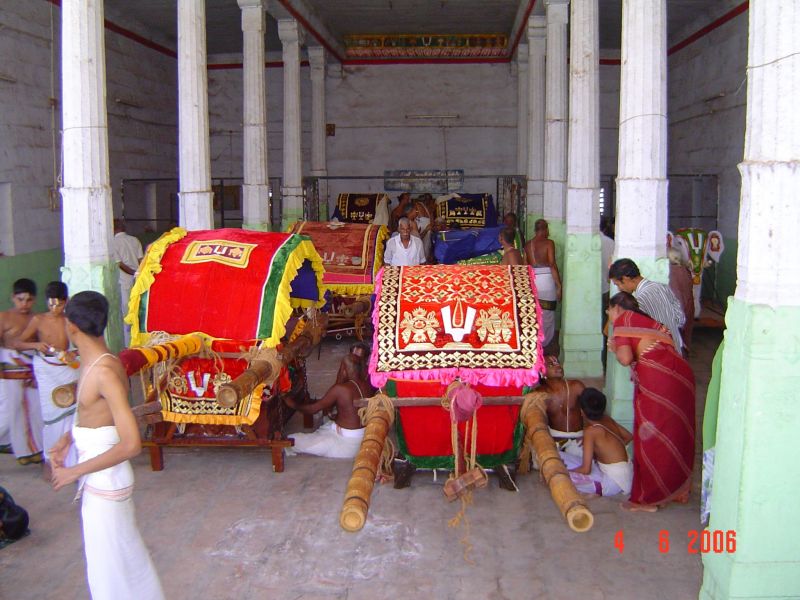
(106,435)
(20,414)
(53,365)
(605,469)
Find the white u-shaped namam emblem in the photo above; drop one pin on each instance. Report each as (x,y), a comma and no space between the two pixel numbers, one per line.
(457,325)
(198,390)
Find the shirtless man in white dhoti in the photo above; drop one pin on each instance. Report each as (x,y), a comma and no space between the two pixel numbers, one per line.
(563,411)
(341,437)
(53,365)
(20,414)
(106,435)
(540,252)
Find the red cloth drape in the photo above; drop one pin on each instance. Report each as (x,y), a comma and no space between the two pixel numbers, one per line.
(664,413)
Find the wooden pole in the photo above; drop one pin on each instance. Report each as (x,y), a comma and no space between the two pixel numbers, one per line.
(365,470)
(554,472)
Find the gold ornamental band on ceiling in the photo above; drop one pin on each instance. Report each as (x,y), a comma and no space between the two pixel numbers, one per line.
(426,46)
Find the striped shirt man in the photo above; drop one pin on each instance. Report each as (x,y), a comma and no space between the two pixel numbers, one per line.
(658,301)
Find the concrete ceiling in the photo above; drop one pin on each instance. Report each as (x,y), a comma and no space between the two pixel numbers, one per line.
(343,17)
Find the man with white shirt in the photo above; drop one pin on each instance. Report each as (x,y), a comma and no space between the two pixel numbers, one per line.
(404,249)
(128,253)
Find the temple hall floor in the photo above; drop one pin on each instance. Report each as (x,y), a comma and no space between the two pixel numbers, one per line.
(221,525)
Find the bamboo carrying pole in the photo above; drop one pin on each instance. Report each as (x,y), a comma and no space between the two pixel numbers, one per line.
(138,358)
(555,474)
(266,365)
(365,469)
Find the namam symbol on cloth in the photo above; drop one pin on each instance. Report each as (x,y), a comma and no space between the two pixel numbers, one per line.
(451,316)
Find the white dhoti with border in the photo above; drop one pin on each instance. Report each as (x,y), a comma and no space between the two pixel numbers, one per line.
(118,564)
(51,373)
(329,440)
(546,292)
(603,480)
(20,412)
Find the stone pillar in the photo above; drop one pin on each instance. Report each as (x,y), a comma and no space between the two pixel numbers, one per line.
(581,336)
(87,213)
(641,222)
(555,135)
(194,163)
(255,191)
(754,492)
(537,42)
(522,109)
(292,190)
(316,56)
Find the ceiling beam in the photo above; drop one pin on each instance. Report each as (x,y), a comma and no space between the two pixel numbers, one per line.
(524,10)
(308,19)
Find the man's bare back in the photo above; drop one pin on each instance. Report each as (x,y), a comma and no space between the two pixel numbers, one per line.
(351,384)
(607,439)
(540,251)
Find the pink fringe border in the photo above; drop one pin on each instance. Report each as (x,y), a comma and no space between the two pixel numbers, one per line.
(491,377)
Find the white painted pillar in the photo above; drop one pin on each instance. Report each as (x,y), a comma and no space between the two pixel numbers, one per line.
(292,191)
(87,214)
(537,44)
(194,163)
(255,191)
(582,340)
(641,221)
(319,168)
(555,151)
(641,207)
(522,109)
(753,491)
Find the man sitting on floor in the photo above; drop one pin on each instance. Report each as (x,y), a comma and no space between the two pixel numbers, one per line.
(563,412)
(604,469)
(341,437)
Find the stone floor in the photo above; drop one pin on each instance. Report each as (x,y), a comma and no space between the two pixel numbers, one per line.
(220,524)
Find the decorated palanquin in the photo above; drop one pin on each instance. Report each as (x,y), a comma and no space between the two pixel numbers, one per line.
(214,338)
(467,210)
(352,254)
(455,348)
(436,324)
(362,208)
(700,249)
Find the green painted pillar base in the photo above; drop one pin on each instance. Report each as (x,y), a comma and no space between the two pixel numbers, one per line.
(755,488)
(103,278)
(290,217)
(619,389)
(256,226)
(581,335)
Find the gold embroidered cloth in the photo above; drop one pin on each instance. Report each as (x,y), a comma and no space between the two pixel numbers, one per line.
(478,323)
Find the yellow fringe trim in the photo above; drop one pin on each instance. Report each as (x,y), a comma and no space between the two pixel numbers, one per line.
(151,265)
(248,419)
(283,303)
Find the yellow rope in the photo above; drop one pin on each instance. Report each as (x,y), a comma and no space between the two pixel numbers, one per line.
(532,401)
(381,402)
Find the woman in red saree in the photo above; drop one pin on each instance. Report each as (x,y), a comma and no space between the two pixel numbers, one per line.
(663,403)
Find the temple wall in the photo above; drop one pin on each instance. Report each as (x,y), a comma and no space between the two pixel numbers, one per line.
(707,101)
(142,131)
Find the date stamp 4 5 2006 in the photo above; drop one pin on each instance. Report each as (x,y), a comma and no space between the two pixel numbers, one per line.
(698,542)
